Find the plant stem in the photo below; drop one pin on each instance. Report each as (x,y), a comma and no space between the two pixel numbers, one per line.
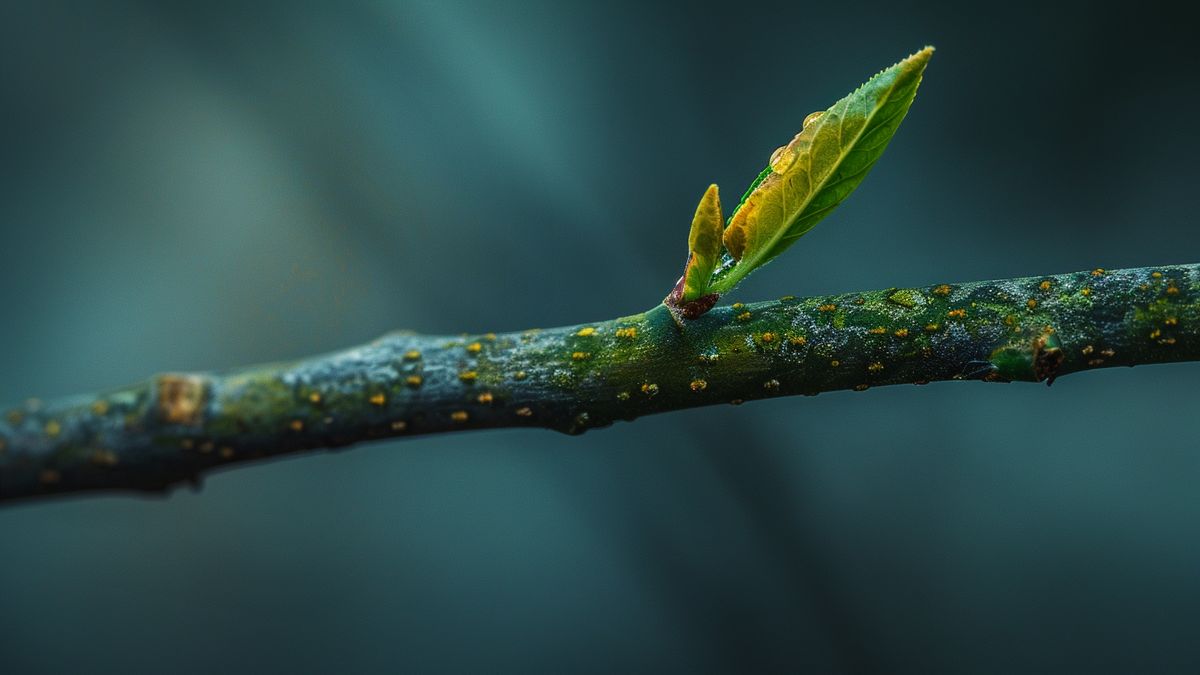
(174,427)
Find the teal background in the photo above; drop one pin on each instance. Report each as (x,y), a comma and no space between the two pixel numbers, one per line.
(210,184)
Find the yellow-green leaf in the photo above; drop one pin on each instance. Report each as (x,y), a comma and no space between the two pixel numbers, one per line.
(819,168)
(704,245)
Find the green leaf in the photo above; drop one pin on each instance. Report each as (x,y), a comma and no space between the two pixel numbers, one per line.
(704,245)
(818,169)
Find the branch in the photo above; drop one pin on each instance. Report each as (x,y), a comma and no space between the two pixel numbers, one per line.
(173,428)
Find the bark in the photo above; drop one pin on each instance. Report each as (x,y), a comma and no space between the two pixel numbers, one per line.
(174,427)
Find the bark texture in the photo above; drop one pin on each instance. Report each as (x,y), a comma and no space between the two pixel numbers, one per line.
(172,428)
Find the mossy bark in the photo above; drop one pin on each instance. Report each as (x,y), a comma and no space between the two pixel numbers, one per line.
(174,427)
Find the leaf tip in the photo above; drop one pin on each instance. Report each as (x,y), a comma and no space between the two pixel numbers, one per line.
(916,62)
(711,199)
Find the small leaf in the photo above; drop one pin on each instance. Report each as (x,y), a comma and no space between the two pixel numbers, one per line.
(704,245)
(818,169)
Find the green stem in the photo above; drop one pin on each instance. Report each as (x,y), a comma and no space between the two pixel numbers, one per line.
(174,427)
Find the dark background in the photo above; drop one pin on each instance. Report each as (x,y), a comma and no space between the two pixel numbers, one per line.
(211,184)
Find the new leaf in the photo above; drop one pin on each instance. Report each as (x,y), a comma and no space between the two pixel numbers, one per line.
(818,169)
(704,245)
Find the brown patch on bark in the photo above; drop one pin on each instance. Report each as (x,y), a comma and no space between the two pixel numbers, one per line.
(1048,356)
(693,309)
(181,398)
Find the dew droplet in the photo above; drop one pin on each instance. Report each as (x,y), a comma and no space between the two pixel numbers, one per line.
(813,117)
(782,159)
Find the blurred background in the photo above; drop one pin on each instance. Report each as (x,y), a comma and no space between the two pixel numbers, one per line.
(203,185)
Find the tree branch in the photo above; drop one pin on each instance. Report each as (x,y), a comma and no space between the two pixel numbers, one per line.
(174,427)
